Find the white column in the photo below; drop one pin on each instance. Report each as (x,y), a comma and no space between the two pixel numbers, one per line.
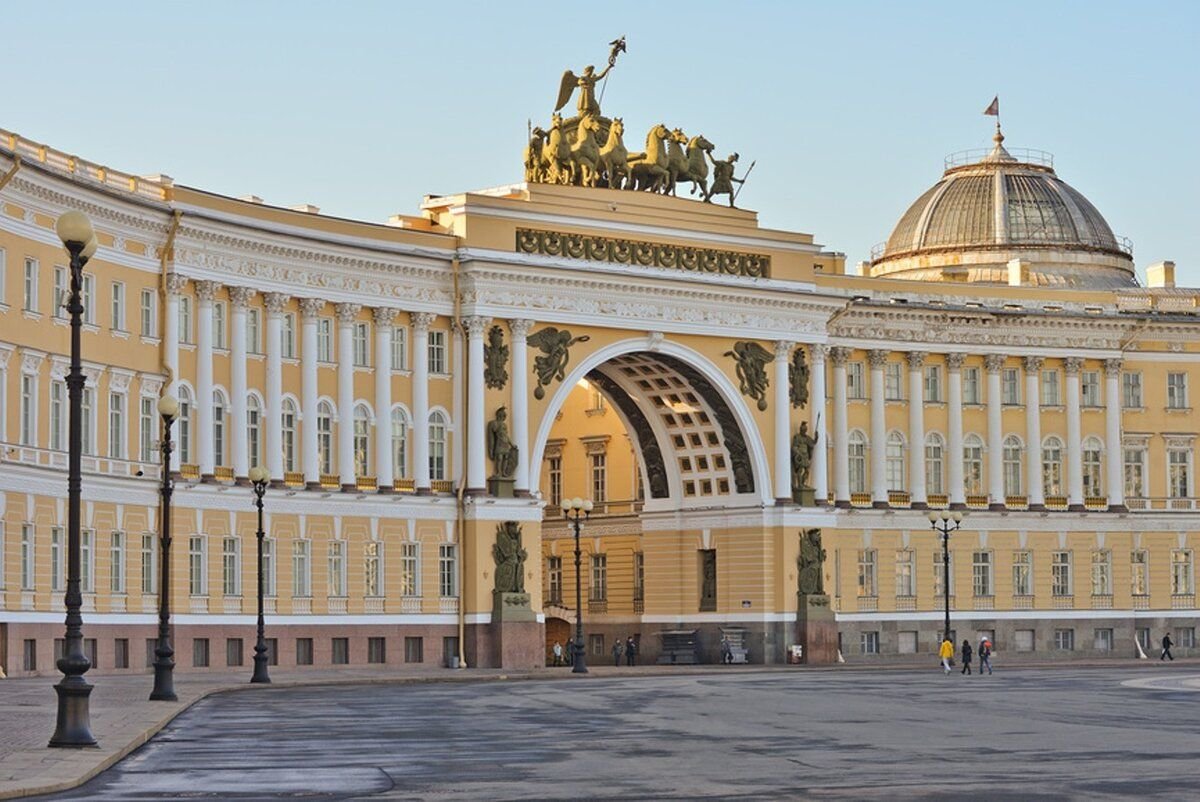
(420,395)
(916,429)
(1115,460)
(1034,483)
(520,403)
(240,299)
(273,414)
(384,473)
(783,433)
(956,495)
(457,375)
(879,488)
(310,309)
(816,400)
(205,292)
(1074,446)
(841,428)
(346,314)
(995,433)
(476,411)
(170,333)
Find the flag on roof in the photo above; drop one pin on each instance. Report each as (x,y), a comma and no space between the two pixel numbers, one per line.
(993,109)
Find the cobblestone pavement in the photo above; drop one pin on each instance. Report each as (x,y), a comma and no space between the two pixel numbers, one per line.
(1048,733)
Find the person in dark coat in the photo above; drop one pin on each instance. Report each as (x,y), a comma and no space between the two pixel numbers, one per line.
(631,651)
(966,656)
(1166,652)
(617,649)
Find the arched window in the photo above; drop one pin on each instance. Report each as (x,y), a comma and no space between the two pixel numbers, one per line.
(1052,478)
(362,441)
(1014,454)
(325,436)
(185,425)
(1093,482)
(972,465)
(218,427)
(287,421)
(857,449)
(253,429)
(935,456)
(437,446)
(399,443)
(895,461)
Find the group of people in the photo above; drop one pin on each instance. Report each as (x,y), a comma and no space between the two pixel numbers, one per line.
(984,652)
(627,648)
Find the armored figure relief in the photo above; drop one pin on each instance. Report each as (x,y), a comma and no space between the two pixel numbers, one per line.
(552,364)
(798,374)
(495,359)
(510,558)
(500,448)
(723,179)
(811,563)
(752,361)
(803,445)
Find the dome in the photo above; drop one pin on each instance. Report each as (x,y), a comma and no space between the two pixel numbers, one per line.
(985,213)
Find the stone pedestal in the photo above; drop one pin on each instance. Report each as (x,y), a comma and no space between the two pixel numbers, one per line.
(516,638)
(500,487)
(805,497)
(816,629)
(511,608)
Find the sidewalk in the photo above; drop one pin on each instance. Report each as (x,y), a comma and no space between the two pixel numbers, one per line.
(123,718)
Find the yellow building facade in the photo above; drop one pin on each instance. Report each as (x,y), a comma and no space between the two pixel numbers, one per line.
(997,356)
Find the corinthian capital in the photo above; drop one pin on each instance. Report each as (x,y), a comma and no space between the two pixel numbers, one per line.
(385,316)
(817,352)
(206,291)
(311,307)
(421,321)
(1112,367)
(783,348)
(993,362)
(520,328)
(955,361)
(276,301)
(176,283)
(1033,364)
(878,358)
(476,325)
(346,313)
(839,355)
(240,297)
(916,359)
(1072,365)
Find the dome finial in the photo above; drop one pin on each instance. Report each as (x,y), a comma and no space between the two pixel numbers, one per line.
(998,137)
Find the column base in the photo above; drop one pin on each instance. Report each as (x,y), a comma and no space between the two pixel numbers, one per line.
(1117,508)
(475,491)
(842,504)
(1037,508)
(312,485)
(208,478)
(423,491)
(880,505)
(918,505)
(347,488)
(1076,508)
(522,494)
(997,507)
(780,502)
(277,484)
(957,505)
(386,490)
(242,481)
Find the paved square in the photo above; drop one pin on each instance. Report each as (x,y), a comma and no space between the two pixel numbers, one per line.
(1022,734)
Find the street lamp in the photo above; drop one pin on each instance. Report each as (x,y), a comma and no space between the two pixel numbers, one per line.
(164,654)
(73,727)
(576,511)
(944,523)
(259,477)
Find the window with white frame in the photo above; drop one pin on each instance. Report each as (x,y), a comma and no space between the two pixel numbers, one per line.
(1135,471)
(253,430)
(906,573)
(1139,574)
(287,338)
(970,386)
(857,457)
(1052,464)
(149,314)
(399,443)
(973,465)
(268,563)
(869,641)
(1022,573)
(437,352)
(87,560)
(1051,389)
(1179,472)
(30,301)
(933,383)
(87,294)
(325,339)
(253,331)
(362,441)
(58,558)
(1064,640)
(868,577)
(185,426)
(231,567)
(149,564)
(287,422)
(893,386)
(301,568)
(1060,573)
(554,579)
(59,294)
(894,462)
(373,568)
(1131,389)
(939,573)
(1177,396)
(554,474)
(116,425)
(1089,388)
(1093,478)
(27,557)
(1013,459)
(337,568)
(1102,572)
(29,407)
(118,306)
(437,446)
(399,348)
(1182,573)
(598,590)
(855,386)
(197,566)
(448,570)
(146,429)
(58,414)
(325,436)
(88,420)
(220,325)
(361,345)
(410,569)
(185,319)
(935,458)
(981,573)
(1010,387)
(599,472)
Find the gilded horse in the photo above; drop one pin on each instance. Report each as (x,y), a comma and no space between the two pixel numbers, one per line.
(697,166)
(649,169)
(556,154)
(585,153)
(677,162)
(614,158)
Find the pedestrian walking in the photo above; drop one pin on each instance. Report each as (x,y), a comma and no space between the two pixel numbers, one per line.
(946,653)
(558,653)
(726,651)
(631,650)
(966,656)
(1166,650)
(617,650)
(985,655)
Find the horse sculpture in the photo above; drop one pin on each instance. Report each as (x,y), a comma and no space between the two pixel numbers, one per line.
(697,165)
(649,169)
(556,154)
(614,158)
(534,167)
(677,162)
(585,154)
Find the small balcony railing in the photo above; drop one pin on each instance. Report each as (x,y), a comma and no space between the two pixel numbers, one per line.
(1183,601)
(906,603)
(1063,602)
(1023,602)
(639,605)
(868,604)
(1102,601)
(985,603)
(1141,601)
(597,605)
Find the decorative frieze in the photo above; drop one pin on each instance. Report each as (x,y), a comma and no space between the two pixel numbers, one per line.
(594,248)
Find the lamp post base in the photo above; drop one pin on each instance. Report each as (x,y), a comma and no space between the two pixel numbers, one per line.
(260,665)
(164,683)
(580,662)
(74,725)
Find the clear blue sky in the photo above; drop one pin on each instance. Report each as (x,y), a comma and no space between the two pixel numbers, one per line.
(848,108)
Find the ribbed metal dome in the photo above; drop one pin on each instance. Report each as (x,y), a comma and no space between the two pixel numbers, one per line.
(1011,208)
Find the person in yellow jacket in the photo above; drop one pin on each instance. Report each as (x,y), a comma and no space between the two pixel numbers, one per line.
(946,653)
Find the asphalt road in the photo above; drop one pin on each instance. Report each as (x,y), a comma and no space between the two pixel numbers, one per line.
(1058,733)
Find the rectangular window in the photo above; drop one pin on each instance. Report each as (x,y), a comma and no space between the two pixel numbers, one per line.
(981,573)
(1185,637)
(146,426)
(1023,640)
(1131,390)
(554,580)
(376,650)
(149,314)
(855,386)
(116,425)
(325,339)
(361,350)
(414,650)
(933,383)
(598,590)
(906,569)
(341,651)
(1089,386)
(554,474)
(27,564)
(1060,573)
(121,653)
(437,352)
(58,558)
(410,569)
(233,651)
(1051,390)
(59,295)
(220,327)
(869,642)
(939,589)
(599,474)
(1064,640)
(893,382)
(254,331)
(970,385)
(200,652)
(272,651)
(116,559)
(337,568)
(868,585)
(288,335)
(1010,387)
(1139,561)
(906,641)
(58,415)
(304,651)
(197,573)
(639,576)
(596,645)
(31,285)
(1103,640)
(448,570)
(1022,573)
(301,573)
(151,648)
(88,296)
(1177,391)
(1179,473)
(1135,472)
(1102,573)
(372,586)
(30,654)
(29,405)
(88,420)
(149,564)
(231,567)
(118,306)
(399,348)
(1182,574)
(268,566)
(185,319)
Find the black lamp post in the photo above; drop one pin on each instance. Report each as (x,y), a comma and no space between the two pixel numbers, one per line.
(259,476)
(944,523)
(576,511)
(164,654)
(73,727)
